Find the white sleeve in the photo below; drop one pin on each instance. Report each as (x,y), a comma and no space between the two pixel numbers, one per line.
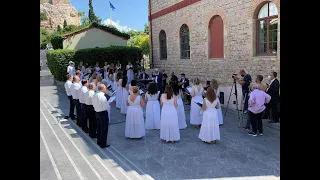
(156,79)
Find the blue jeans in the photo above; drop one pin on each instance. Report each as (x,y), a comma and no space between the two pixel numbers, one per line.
(245,94)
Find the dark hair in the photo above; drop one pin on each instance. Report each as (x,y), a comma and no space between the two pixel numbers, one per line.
(275,74)
(133,82)
(124,81)
(260,77)
(211,94)
(110,71)
(119,75)
(152,88)
(169,92)
(84,81)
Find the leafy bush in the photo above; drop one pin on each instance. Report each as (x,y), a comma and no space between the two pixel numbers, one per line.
(58,59)
(57,41)
(43,16)
(45,37)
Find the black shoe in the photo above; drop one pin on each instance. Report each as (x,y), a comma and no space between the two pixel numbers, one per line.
(66,117)
(107,145)
(252,134)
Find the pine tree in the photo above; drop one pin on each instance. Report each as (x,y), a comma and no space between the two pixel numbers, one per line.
(58,28)
(64,24)
(92,16)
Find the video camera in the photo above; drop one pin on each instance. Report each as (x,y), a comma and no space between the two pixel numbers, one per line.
(234,75)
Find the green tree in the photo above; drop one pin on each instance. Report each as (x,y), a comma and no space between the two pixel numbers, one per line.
(69,28)
(92,16)
(84,20)
(58,28)
(65,24)
(146,28)
(43,16)
(45,37)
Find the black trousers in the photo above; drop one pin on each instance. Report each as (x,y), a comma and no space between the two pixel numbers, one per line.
(256,122)
(92,121)
(102,128)
(84,122)
(71,110)
(78,109)
(188,96)
(273,105)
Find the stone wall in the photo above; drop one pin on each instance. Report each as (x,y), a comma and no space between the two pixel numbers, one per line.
(239,40)
(60,12)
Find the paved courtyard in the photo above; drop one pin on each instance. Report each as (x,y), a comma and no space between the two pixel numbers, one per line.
(68,153)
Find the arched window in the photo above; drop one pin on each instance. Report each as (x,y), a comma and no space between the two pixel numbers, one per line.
(163,45)
(184,42)
(267,29)
(216,37)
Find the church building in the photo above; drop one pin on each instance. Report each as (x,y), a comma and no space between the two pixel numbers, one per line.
(208,39)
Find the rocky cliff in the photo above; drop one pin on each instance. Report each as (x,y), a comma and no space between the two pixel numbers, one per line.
(58,11)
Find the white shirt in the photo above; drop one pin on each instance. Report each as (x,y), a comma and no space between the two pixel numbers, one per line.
(88,97)
(74,90)
(71,70)
(156,81)
(82,91)
(67,86)
(100,102)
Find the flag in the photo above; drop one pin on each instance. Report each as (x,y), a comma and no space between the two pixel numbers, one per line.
(111,6)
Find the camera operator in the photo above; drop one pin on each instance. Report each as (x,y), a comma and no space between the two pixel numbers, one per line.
(245,82)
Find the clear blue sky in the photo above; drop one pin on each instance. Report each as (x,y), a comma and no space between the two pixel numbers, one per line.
(130,13)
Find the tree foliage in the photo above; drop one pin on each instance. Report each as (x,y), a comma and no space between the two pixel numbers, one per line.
(84,20)
(45,37)
(92,16)
(146,28)
(140,39)
(43,16)
(65,24)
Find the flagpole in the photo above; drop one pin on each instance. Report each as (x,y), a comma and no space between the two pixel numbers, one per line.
(110,15)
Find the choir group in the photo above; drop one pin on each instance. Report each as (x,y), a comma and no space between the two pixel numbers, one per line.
(91,91)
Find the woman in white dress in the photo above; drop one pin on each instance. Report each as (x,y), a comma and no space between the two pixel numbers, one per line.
(134,119)
(105,69)
(180,109)
(169,126)
(153,107)
(214,84)
(209,131)
(195,109)
(119,90)
(130,73)
(97,67)
(125,95)
(132,83)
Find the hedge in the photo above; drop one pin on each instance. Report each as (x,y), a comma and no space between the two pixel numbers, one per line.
(58,60)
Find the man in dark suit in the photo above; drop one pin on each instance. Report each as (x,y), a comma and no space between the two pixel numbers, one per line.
(143,75)
(158,80)
(184,82)
(273,91)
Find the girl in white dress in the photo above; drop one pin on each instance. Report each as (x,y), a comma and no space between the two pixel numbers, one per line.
(118,66)
(130,73)
(195,109)
(209,131)
(153,107)
(125,95)
(134,118)
(215,86)
(180,109)
(119,90)
(169,126)
(132,83)
(97,68)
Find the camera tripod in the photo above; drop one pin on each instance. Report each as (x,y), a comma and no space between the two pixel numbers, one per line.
(237,104)
(236,94)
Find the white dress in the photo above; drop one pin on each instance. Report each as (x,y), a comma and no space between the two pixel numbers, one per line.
(134,119)
(153,112)
(209,130)
(169,126)
(125,95)
(195,109)
(130,74)
(181,113)
(220,117)
(119,94)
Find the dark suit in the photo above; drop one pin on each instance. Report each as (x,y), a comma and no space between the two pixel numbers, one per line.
(146,76)
(159,82)
(185,85)
(273,91)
